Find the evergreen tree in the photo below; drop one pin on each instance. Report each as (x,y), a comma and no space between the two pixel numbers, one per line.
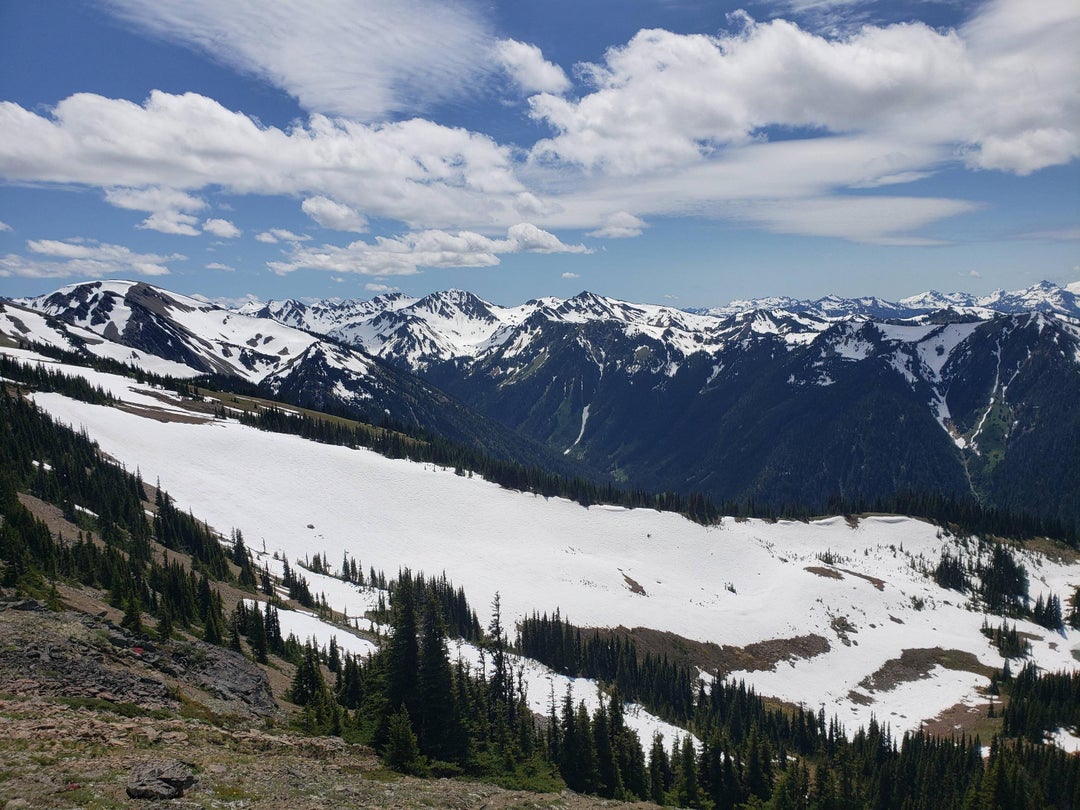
(402,752)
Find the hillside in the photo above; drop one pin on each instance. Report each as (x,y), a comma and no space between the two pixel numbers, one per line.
(848,619)
(777,401)
(736,583)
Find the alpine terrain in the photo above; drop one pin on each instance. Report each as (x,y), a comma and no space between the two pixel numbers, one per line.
(776,555)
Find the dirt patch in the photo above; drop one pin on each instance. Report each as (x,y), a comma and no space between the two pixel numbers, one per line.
(964,719)
(633,585)
(822,571)
(844,629)
(162,414)
(877,583)
(913,665)
(721,659)
(859,699)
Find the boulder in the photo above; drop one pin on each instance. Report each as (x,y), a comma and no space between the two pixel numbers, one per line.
(160,779)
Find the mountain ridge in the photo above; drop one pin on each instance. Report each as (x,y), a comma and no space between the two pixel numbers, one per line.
(771,406)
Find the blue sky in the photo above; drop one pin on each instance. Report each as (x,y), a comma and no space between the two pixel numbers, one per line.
(687,152)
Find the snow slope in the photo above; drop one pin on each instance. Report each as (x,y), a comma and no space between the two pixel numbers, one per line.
(736,583)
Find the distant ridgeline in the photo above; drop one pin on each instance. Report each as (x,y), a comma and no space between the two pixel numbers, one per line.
(960,513)
(426,715)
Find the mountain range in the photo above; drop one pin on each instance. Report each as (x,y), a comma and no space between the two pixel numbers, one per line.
(776,401)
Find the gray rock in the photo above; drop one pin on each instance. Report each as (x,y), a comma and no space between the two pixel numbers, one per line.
(160,779)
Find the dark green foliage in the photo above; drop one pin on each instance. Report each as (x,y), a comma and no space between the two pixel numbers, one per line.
(1040,703)
(1007,640)
(1074,610)
(664,687)
(64,467)
(950,573)
(1004,582)
(180,531)
(402,750)
(1048,613)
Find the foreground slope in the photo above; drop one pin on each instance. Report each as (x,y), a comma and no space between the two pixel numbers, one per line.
(859,592)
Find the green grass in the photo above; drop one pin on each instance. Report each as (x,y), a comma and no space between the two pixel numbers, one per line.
(129,710)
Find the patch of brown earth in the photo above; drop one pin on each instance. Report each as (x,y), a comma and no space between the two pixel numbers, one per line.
(722,659)
(964,719)
(877,583)
(633,585)
(822,571)
(915,664)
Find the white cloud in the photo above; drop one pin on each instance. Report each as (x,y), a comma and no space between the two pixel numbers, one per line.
(1058,235)
(4,227)
(363,58)
(226,302)
(620,225)
(405,255)
(415,171)
(84,258)
(527,67)
(169,209)
(275,235)
(1002,87)
(668,125)
(378,288)
(222,228)
(873,220)
(568,275)
(334,215)
(226,268)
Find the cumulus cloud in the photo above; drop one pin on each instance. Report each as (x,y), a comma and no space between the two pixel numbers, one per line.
(83,258)
(620,225)
(415,171)
(530,71)
(4,227)
(374,287)
(334,215)
(275,235)
(226,268)
(362,58)
(665,125)
(405,255)
(1002,87)
(568,275)
(170,209)
(222,228)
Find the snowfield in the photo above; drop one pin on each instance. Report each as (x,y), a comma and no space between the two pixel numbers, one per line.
(736,583)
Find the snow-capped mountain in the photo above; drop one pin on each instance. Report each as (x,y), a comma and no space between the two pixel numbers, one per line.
(761,399)
(168,333)
(1042,297)
(183,330)
(781,405)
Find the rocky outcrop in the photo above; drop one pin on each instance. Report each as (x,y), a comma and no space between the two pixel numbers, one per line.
(75,655)
(160,779)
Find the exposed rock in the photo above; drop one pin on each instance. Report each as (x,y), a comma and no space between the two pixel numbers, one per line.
(160,779)
(230,676)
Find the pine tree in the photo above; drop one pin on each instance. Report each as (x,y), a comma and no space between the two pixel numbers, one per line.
(439,734)
(402,752)
(659,770)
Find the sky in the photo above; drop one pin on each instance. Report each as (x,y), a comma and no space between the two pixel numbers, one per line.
(687,152)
